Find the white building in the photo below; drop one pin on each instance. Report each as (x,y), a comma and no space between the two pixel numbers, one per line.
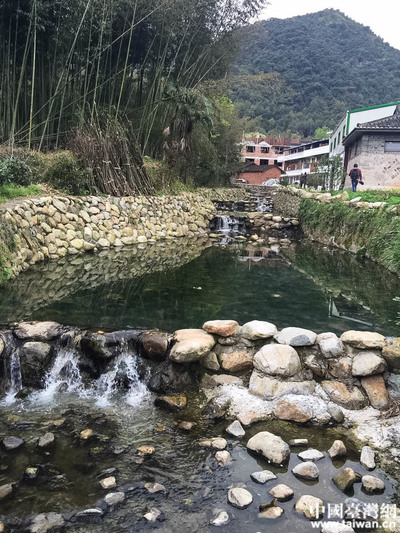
(350,121)
(303,158)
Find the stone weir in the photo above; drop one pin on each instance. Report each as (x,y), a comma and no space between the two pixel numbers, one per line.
(252,372)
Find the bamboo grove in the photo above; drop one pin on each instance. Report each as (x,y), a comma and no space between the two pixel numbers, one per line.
(81,67)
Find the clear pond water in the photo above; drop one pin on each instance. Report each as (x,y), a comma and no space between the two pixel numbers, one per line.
(182,286)
(171,287)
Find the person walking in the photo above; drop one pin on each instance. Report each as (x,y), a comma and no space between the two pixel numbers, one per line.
(303,180)
(356,177)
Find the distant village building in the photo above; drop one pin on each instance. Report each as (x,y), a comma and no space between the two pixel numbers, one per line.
(260,155)
(303,158)
(350,121)
(375,147)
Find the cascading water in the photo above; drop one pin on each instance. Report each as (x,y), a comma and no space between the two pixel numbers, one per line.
(15,377)
(64,375)
(122,372)
(229,224)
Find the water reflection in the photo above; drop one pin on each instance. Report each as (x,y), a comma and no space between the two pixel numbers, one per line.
(181,285)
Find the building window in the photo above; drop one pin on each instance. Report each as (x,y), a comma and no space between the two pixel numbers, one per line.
(392,146)
(263,161)
(264,149)
(344,132)
(338,139)
(250,149)
(248,160)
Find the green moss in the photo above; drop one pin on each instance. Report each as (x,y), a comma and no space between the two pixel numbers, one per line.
(7,247)
(375,232)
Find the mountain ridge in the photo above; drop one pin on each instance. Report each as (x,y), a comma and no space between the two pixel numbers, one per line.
(324,63)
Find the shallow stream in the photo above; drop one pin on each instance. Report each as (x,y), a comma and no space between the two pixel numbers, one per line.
(170,288)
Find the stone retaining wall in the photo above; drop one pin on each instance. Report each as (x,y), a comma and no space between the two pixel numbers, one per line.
(299,375)
(53,227)
(287,202)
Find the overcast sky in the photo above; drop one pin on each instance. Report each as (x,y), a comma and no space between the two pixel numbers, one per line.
(381,16)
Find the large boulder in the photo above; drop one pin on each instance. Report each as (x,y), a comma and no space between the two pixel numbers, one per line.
(105,346)
(330,345)
(257,329)
(296,337)
(168,378)
(368,363)
(223,328)
(38,331)
(236,361)
(191,345)
(35,357)
(270,388)
(272,447)
(363,340)
(339,393)
(391,354)
(155,344)
(277,360)
(376,391)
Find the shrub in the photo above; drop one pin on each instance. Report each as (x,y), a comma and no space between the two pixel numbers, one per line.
(66,173)
(14,171)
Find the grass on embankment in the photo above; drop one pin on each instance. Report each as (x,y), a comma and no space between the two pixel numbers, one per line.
(10,191)
(374,233)
(391,197)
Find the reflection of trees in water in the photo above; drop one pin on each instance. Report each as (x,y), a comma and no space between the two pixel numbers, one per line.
(348,278)
(57,280)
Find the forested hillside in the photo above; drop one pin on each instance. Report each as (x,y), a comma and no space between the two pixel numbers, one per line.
(322,63)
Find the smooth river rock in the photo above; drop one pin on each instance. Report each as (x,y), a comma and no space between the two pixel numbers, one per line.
(262,476)
(368,363)
(345,479)
(191,345)
(372,484)
(38,331)
(236,361)
(42,523)
(223,458)
(171,403)
(220,518)
(367,458)
(377,393)
(338,449)
(330,345)
(391,354)
(281,492)
(364,340)
(340,394)
(236,429)
(223,328)
(277,360)
(272,447)
(311,455)
(257,329)
(270,388)
(12,443)
(240,498)
(296,337)
(310,506)
(307,470)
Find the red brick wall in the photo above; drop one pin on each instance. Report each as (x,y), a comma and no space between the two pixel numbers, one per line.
(256,178)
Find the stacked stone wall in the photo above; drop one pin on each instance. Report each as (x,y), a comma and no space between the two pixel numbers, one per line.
(53,227)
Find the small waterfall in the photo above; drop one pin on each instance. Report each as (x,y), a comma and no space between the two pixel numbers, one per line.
(122,372)
(15,377)
(64,375)
(229,224)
